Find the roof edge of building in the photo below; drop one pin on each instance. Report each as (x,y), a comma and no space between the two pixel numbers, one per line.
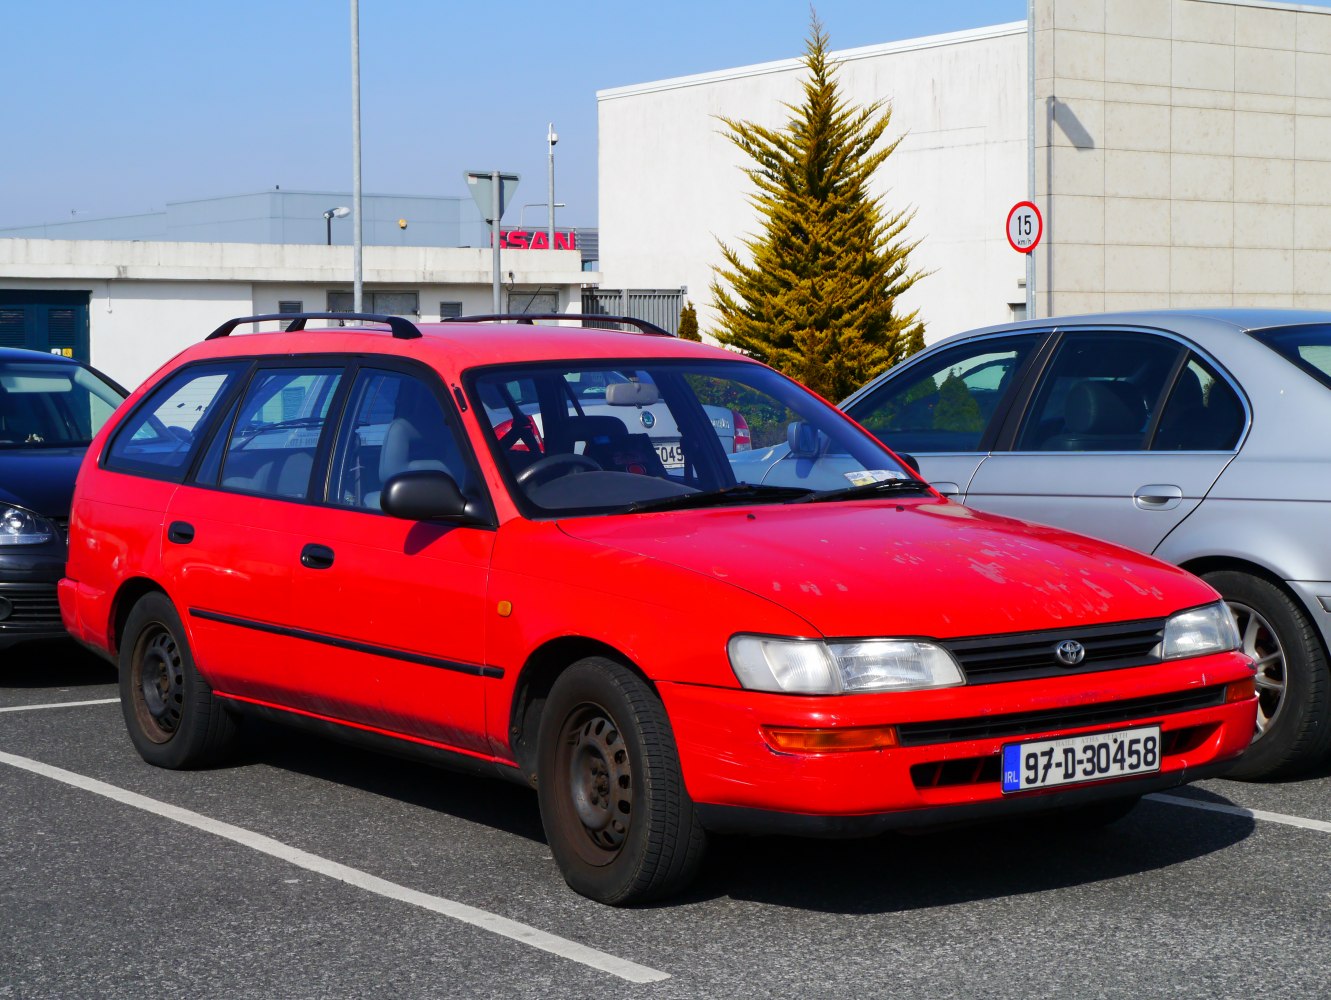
(842,56)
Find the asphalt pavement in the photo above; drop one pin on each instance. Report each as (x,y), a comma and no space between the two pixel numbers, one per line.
(305,868)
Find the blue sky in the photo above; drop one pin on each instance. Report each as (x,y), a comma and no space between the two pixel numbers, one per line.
(118,108)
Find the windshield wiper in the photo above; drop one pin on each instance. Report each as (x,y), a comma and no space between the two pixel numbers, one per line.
(737,494)
(866,489)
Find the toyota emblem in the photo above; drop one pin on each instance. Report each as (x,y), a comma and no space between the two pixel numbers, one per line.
(1070,652)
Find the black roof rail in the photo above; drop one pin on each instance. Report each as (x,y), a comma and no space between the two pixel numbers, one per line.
(526,319)
(403,329)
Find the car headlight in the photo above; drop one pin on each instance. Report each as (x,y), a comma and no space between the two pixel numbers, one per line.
(810,666)
(1202,630)
(23,527)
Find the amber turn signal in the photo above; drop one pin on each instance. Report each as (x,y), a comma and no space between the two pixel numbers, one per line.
(1240,691)
(830,740)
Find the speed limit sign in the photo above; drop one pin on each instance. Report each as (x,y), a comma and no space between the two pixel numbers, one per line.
(1024,226)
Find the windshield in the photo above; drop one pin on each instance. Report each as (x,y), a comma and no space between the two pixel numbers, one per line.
(1309,347)
(634,436)
(44,405)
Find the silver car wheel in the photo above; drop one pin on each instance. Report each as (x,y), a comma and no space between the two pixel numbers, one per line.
(1259,641)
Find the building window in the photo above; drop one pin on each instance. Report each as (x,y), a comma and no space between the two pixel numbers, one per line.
(450,310)
(380,303)
(290,306)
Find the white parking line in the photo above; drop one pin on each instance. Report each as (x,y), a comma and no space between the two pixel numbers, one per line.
(483,919)
(1270,817)
(59,704)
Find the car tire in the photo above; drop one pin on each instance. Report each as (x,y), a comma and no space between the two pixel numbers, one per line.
(617,817)
(1293,685)
(173,718)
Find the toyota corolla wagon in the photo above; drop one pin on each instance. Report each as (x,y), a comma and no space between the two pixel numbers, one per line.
(359,530)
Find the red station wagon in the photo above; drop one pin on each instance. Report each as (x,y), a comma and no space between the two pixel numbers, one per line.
(419,537)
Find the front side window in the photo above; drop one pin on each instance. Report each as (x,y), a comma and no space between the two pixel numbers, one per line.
(160,438)
(44,405)
(945,404)
(1100,393)
(394,423)
(629,437)
(275,434)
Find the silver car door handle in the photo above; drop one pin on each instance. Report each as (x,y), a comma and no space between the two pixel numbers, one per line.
(947,489)
(1157,496)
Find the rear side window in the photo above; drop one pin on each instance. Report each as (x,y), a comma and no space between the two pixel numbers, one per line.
(1101,393)
(1203,412)
(271,449)
(162,435)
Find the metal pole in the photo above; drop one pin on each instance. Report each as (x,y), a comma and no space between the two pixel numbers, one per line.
(551,139)
(1030,147)
(328,218)
(357,284)
(496,185)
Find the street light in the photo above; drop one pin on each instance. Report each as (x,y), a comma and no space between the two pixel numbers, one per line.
(535,204)
(341,212)
(552,137)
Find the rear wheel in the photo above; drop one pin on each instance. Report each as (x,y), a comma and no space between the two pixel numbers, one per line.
(618,820)
(173,719)
(1293,687)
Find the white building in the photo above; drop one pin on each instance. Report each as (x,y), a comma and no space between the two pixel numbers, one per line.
(1182,152)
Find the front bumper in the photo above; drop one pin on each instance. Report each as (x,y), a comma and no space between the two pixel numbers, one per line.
(29,608)
(946,768)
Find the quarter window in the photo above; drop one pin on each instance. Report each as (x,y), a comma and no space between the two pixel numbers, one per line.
(274,438)
(162,435)
(945,404)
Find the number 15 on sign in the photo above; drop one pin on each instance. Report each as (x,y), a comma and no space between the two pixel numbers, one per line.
(1024,226)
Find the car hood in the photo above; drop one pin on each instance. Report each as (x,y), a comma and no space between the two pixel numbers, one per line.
(40,480)
(919,567)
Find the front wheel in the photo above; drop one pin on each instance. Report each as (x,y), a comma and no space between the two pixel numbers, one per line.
(1293,687)
(616,814)
(174,721)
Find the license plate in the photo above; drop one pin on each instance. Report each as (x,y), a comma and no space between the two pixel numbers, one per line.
(671,454)
(1074,759)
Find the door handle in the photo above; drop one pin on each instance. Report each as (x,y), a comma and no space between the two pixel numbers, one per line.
(180,532)
(316,557)
(1157,496)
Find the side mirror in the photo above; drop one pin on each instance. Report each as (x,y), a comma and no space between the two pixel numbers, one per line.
(803,440)
(426,495)
(911,461)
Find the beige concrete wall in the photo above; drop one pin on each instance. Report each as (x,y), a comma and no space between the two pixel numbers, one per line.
(1183,154)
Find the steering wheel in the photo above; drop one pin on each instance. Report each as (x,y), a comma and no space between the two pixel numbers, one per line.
(544,469)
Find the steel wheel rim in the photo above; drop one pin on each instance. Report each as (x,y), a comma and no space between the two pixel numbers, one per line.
(599,793)
(1259,641)
(159,683)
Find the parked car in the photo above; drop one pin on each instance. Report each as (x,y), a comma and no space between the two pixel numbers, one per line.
(50,409)
(660,650)
(1193,436)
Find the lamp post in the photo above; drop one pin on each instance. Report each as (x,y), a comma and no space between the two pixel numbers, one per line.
(551,137)
(341,212)
(534,204)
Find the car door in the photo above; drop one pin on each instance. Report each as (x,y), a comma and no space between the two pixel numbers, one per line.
(1124,434)
(945,408)
(396,606)
(233,535)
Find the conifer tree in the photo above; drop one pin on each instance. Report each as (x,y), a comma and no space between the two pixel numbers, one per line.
(818,301)
(688,323)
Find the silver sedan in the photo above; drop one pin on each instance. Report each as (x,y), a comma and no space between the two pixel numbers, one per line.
(1200,437)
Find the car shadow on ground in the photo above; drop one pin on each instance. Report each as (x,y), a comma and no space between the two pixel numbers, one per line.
(893,872)
(58,663)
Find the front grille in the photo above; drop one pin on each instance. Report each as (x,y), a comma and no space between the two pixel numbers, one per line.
(1075,717)
(1029,655)
(29,607)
